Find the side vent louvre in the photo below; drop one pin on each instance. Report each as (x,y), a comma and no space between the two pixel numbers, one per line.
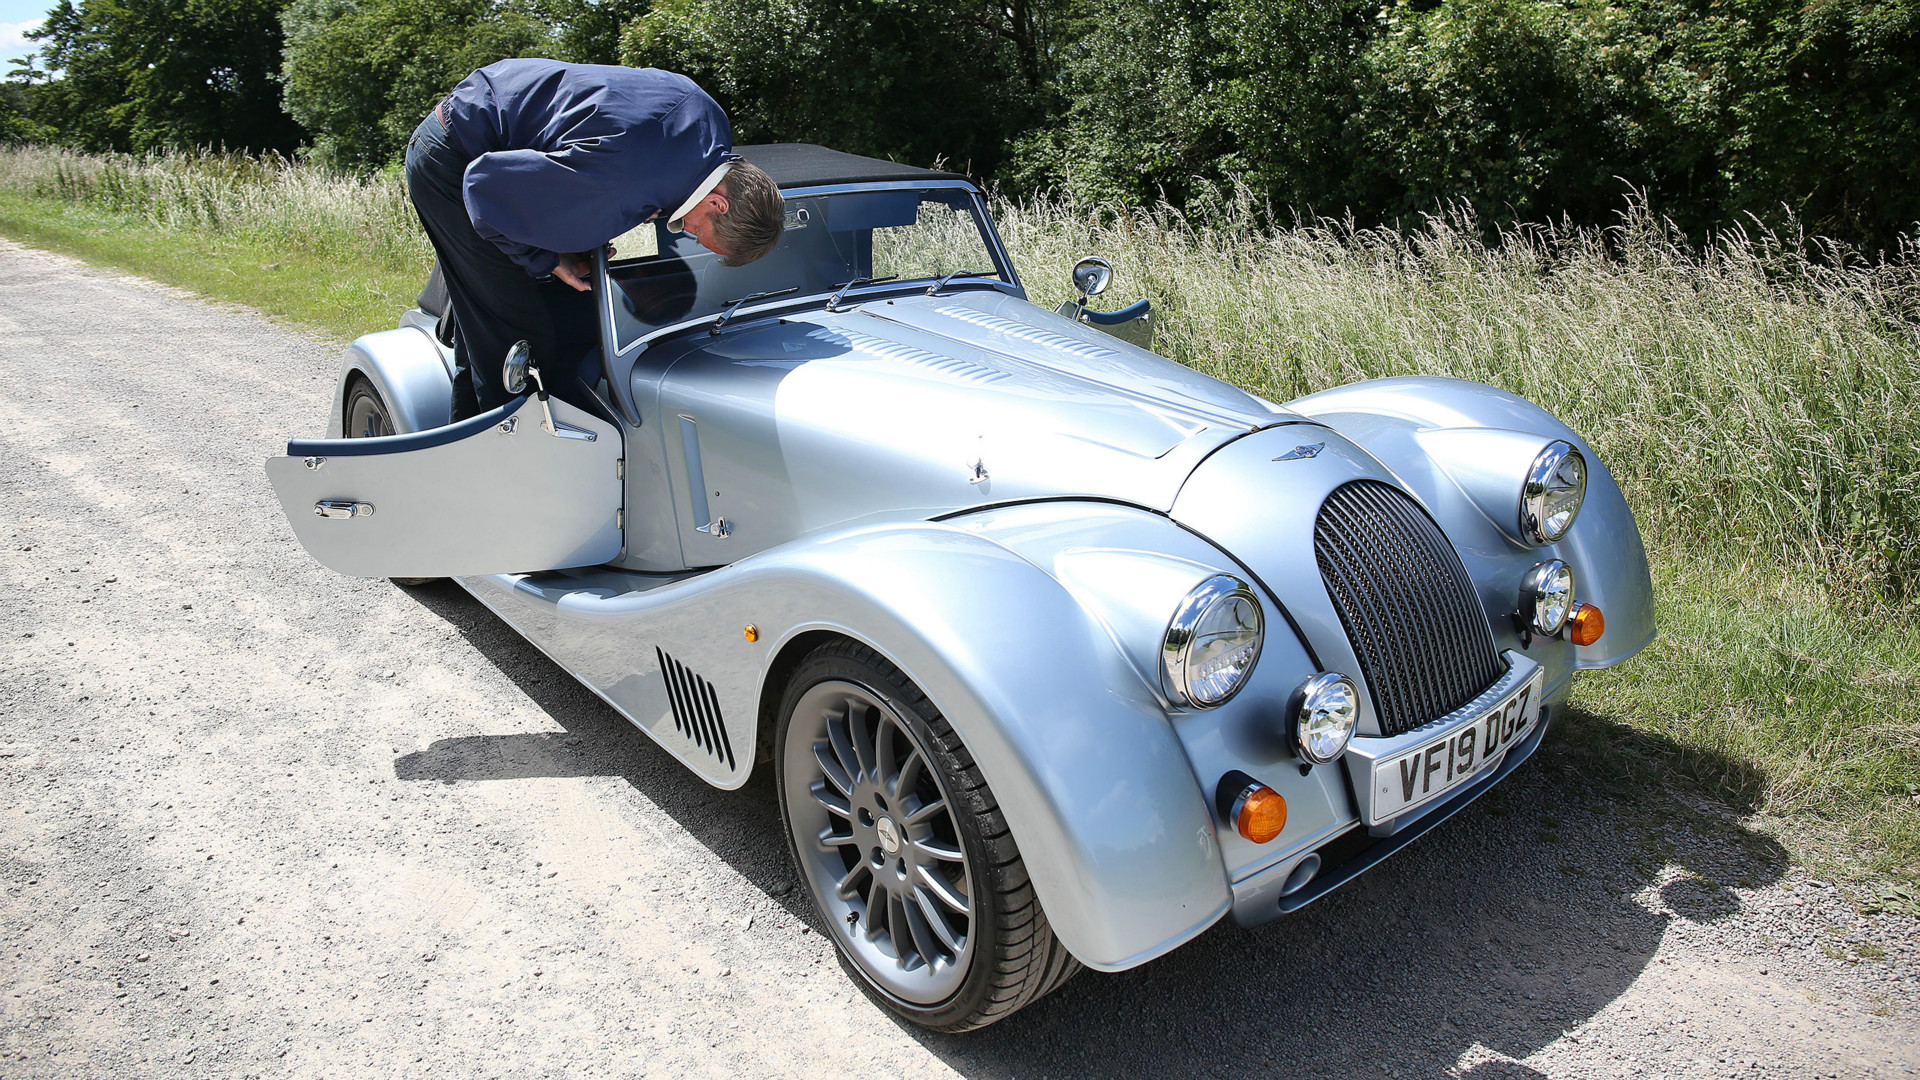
(696,708)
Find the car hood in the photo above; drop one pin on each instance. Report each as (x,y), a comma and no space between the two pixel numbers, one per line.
(927,405)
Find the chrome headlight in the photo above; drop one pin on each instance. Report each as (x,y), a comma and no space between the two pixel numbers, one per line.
(1324,710)
(1212,643)
(1556,485)
(1546,597)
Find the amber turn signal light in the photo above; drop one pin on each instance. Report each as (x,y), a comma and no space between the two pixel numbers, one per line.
(1586,626)
(1260,813)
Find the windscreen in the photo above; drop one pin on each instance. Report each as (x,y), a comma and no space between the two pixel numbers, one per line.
(662,278)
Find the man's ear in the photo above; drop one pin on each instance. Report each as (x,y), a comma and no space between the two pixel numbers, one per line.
(719,198)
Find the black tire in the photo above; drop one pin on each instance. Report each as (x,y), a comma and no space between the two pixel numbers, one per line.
(364,415)
(950,850)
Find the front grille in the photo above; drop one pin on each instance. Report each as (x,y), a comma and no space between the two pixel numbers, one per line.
(696,708)
(1407,605)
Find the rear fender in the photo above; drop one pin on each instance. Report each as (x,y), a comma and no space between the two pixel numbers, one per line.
(1396,420)
(408,369)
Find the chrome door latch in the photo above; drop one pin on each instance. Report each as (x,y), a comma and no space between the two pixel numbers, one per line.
(315,462)
(342,508)
(718,528)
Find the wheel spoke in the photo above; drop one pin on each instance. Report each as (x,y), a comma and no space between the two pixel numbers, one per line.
(938,849)
(831,842)
(884,731)
(925,811)
(827,758)
(846,889)
(900,785)
(834,801)
(937,884)
(900,926)
(876,909)
(926,941)
(936,921)
(860,723)
(842,740)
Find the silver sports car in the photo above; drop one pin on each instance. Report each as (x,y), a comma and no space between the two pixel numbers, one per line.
(1060,651)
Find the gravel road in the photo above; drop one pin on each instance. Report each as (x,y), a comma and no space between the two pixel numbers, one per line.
(262,820)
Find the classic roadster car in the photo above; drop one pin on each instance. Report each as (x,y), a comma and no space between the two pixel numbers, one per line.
(1060,651)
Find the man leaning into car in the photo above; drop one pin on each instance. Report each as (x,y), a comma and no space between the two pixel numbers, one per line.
(530,166)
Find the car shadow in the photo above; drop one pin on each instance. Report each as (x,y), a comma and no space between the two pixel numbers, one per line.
(1521,918)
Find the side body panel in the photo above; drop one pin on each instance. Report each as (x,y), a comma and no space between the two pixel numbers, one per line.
(1430,430)
(1092,777)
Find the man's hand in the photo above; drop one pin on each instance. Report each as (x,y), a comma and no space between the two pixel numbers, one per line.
(576,270)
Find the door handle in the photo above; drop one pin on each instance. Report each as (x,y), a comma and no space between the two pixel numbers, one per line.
(342,508)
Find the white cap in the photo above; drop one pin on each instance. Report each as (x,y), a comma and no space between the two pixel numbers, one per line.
(706,188)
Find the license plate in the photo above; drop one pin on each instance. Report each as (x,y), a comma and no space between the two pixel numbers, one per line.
(1454,759)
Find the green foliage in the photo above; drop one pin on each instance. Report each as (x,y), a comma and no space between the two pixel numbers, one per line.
(145,74)
(915,80)
(361,74)
(1527,109)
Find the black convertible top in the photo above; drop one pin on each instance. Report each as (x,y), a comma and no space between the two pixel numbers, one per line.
(795,165)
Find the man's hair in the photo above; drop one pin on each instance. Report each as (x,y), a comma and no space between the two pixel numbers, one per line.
(755,215)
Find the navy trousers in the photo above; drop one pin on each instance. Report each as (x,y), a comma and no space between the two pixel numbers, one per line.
(494,302)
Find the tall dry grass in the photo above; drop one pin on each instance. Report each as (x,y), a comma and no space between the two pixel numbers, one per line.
(290,204)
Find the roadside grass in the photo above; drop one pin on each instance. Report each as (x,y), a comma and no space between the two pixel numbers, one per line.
(1758,399)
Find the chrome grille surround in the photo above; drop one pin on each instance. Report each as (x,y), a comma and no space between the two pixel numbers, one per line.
(1409,609)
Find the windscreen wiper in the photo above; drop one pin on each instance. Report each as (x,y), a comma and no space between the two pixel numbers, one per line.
(934,289)
(834,303)
(734,305)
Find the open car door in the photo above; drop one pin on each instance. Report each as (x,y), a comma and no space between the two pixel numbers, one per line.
(500,493)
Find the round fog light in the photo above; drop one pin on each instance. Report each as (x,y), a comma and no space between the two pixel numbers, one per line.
(1546,597)
(1326,708)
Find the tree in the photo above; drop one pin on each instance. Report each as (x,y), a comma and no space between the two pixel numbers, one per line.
(143,74)
(916,80)
(361,74)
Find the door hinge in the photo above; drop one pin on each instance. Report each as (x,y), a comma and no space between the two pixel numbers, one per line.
(620,518)
(619,468)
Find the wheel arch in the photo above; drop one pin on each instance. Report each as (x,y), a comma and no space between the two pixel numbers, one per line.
(406,368)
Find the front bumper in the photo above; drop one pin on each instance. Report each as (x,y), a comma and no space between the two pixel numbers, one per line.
(1263,896)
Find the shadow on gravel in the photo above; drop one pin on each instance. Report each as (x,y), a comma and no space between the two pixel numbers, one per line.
(1522,917)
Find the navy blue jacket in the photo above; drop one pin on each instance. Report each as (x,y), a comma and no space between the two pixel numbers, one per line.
(565,157)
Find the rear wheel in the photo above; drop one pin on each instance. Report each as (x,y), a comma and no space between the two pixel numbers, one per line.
(364,415)
(904,849)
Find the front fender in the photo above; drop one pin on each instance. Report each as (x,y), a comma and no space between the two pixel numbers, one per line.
(408,369)
(1078,750)
(1389,417)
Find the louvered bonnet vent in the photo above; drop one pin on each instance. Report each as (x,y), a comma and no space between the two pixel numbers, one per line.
(1408,606)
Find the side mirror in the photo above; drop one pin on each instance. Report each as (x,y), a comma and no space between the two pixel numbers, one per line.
(1092,275)
(513,374)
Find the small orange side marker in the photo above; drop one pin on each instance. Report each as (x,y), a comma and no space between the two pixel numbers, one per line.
(1261,815)
(751,633)
(1586,626)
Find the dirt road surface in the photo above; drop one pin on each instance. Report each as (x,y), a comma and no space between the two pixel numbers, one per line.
(263,820)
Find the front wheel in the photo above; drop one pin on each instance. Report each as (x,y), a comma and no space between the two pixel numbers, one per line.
(904,849)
